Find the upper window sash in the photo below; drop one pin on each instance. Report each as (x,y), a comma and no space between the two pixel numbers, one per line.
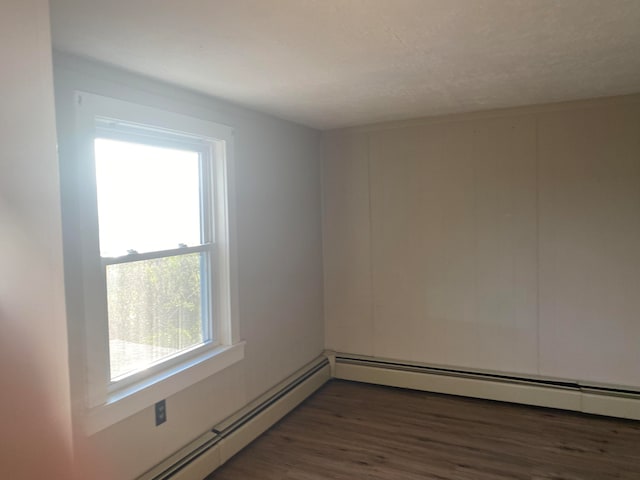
(207,150)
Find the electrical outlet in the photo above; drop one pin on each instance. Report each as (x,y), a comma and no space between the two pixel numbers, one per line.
(161,412)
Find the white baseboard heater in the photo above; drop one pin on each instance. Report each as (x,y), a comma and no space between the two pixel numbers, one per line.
(595,399)
(202,456)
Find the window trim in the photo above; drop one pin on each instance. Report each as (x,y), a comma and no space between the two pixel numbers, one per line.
(107,403)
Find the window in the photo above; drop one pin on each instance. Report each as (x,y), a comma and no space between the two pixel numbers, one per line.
(156,253)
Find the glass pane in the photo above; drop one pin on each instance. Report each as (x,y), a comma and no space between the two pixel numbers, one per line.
(155,310)
(148,197)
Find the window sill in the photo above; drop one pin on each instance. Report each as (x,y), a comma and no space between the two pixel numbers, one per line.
(127,402)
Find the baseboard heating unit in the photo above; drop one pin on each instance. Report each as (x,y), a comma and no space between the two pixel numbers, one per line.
(221,442)
(202,456)
(594,399)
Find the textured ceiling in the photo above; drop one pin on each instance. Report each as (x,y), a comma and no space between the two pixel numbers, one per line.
(333,63)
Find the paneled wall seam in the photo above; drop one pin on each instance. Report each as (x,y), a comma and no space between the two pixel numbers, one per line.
(372,309)
(323,229)
(537,156)
(474,167)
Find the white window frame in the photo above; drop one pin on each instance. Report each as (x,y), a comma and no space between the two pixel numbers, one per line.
(108,402)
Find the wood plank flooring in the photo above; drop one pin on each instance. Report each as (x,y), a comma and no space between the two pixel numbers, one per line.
(358,431)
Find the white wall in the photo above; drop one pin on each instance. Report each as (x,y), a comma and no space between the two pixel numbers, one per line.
(279,258)
(35,381)
(505,241)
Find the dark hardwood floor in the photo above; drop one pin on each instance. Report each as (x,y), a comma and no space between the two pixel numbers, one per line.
(357,431)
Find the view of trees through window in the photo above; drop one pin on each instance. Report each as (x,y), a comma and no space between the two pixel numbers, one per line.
(154,309)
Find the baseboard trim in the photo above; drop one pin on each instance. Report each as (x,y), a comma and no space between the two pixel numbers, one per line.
(614,402)
(224,440)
